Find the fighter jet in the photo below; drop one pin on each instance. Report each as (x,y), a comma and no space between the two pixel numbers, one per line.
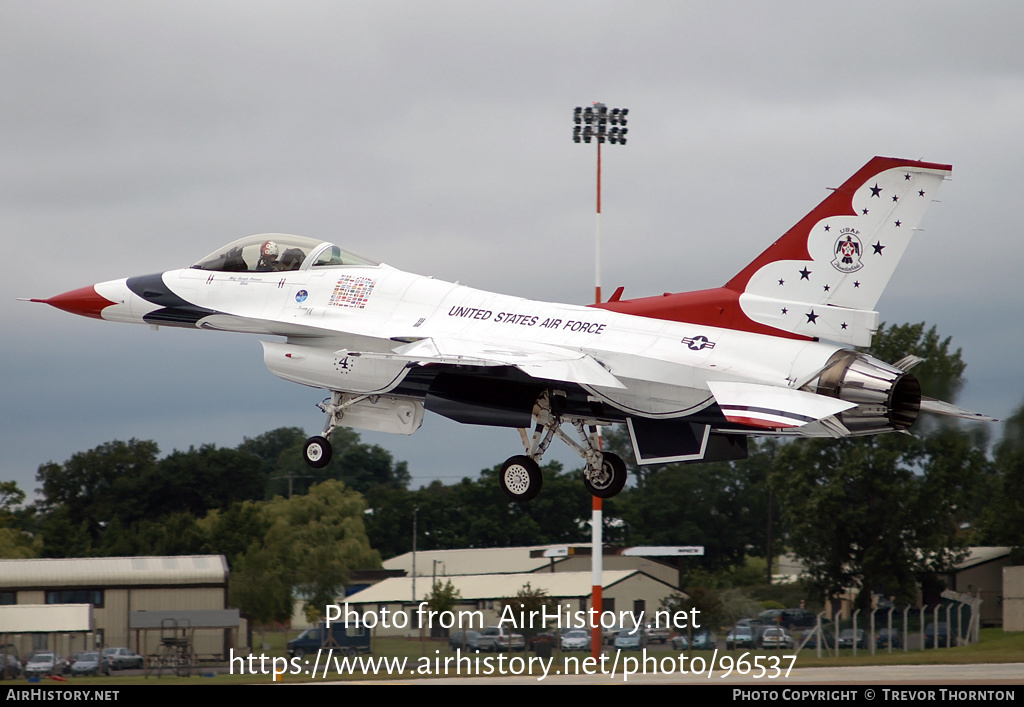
(691,375)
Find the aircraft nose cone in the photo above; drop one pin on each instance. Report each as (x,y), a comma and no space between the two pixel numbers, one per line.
(84,301)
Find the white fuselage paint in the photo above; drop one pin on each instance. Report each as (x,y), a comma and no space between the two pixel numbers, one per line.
(328,313)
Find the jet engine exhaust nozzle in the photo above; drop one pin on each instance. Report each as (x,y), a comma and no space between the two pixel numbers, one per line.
(887,398)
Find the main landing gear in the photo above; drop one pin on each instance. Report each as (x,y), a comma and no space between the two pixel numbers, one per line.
(520,477)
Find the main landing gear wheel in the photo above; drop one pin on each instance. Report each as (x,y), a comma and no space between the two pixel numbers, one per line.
(611,478)
(520,478)
(317,452)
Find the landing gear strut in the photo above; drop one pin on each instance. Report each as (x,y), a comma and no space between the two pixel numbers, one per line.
(604,475)
(318,450)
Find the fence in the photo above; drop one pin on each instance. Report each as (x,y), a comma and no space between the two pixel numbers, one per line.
(954,622)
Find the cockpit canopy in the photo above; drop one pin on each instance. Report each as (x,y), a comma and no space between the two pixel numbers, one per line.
(275,252)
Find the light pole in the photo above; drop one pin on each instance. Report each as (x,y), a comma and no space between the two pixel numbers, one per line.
(591,124)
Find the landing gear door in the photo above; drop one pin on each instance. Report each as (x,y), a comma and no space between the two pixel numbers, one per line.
(674,441)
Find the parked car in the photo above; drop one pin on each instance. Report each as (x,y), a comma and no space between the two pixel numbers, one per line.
(14,669)
(882,638)
(702,640)
(123,658)
(776,638)
(798,618)
(609,634)
(757,627)
(43,663)
(576,640)
(740,637)
(630,640)
(654,633)
(90,663)
(936,635)
(848,638)
(348,639)
(828,639)
(505,640)
(543,638)
(475,641)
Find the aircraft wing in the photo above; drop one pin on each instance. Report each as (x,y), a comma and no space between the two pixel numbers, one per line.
(773,407)
(539,361)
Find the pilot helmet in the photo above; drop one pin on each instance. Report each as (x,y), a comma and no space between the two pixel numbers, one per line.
(269,250)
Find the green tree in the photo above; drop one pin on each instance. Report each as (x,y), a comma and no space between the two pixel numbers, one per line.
(92,488)
(318,539)
(1002,519)
(442,598)
(261,586)
(531,603)
(200,480)
(18,545)
(704,601)
(11,497)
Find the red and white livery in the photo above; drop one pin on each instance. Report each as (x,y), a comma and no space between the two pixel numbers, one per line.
(691,375)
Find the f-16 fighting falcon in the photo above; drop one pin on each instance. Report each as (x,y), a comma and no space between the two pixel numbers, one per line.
(691,375)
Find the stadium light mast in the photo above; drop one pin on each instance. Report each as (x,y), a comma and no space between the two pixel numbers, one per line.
(592,124)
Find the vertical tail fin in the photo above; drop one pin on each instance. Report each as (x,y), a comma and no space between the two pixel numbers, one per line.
(823,277)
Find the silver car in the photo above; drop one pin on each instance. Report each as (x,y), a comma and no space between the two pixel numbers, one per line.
(43,663)
(576,640)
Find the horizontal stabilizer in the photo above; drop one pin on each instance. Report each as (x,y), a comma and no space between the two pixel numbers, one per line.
(772,407)
(939,407)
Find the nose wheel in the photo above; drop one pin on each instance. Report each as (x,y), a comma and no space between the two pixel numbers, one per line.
(317,452)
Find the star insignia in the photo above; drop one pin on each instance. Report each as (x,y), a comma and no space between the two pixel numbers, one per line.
(785,311)
(906,177)
(921,193)
(827,288)
(812,318)
(895,198)
(805,274)
(782,282)
(878,248)
(856,283)
(898,224)
(843,325)
(827,228)
(876,190)
(864,211)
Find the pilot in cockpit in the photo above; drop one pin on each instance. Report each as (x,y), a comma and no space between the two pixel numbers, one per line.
(268,257)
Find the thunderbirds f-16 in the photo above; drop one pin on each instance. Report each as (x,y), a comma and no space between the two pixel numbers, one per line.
(691,375)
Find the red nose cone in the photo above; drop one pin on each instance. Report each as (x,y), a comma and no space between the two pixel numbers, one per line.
(85,301)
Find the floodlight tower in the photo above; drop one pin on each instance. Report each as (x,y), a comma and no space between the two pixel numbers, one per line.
(589,124)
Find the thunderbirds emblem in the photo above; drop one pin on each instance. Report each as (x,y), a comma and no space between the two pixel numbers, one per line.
(848,251)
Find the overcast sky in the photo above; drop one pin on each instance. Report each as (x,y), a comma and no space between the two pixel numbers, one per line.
(436,137)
